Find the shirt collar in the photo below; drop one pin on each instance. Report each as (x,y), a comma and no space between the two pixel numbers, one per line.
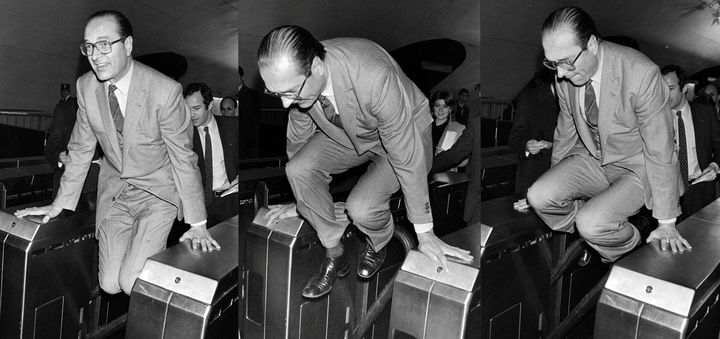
(597,77)
(123,85)
(211,125)
(328,91)
(684,107)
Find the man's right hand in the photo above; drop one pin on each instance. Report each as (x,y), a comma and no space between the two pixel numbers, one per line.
(534,147)
(62,157)
(48,211)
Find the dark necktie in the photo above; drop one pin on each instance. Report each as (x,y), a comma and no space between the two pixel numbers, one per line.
(330,112)
(591,107)
(115,110)
(208,178)
(682,153)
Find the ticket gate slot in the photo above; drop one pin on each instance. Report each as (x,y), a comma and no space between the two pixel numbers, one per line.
(655,294)
(500,294)
(185,293)
(48,274)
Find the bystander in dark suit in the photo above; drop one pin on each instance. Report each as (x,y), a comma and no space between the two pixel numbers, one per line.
(532,131)
(221,198)
(56,144)
(701,149)
(249,113)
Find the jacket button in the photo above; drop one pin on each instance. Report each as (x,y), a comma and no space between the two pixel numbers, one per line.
(113,198)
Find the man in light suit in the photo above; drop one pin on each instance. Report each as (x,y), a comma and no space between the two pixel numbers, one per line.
(149,175)
(350,104)
(220,172)
(613,144)
(701,148)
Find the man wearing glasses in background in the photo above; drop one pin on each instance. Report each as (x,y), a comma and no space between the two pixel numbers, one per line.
(149,176)
(349,104)
(613,145)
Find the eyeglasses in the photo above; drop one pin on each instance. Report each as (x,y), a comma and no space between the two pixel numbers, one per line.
(564,64)
(102,46)
(291,96)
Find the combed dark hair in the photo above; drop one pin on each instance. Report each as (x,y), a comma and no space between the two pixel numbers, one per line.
(679,72)
(125,29)
(463,91)
(204,90)
(574,18)
(442,95)
(230,98)
(293,41)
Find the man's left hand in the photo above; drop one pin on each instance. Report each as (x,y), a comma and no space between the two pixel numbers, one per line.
(670,238)
(200,237)
(436,250)
(709,174)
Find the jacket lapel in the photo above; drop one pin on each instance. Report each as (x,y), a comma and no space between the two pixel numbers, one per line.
(108,124)
(610,89)
(134,108)
(344,95)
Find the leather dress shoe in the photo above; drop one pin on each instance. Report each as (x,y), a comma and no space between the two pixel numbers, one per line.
(321,283)
(370,261)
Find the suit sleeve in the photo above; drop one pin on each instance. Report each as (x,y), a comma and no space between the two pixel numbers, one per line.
(299,129)
(81,149)
(459,151)
(715,136)
(403,141)
(656,129)
(177,133)
(54,143)
(520,130)
(566,135)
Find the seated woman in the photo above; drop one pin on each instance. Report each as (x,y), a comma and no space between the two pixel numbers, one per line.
(445,131)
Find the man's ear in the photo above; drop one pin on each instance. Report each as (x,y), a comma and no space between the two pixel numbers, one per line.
(684,89)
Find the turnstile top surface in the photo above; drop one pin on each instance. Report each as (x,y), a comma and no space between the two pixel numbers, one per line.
(690,269)
(31,228)
(183,257)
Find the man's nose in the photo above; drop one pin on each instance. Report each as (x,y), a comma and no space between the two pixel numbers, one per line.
(561,72)
(287,101)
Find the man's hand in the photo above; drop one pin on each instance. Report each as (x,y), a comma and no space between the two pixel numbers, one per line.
(199,236)
(436,250)
(62,157)
(280,212)
(669,238)
(48,211)
(708,174)
(534,146)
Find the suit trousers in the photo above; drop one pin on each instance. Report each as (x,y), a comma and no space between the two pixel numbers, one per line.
(136,227)
(598,199)
(309,171)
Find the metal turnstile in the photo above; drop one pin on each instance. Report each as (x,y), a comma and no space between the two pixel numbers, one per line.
(281,258)
(655,294)
(447,197)
(185,293)
(500,294)
(48,274)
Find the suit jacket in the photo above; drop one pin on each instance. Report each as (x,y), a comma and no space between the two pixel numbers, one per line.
(228,130)
(157,151)
(537,113)
(382,111)
(249,113)
(634,122)
(466,145)
(707,134)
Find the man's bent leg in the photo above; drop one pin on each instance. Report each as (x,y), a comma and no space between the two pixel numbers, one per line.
(603,220)
(153,220)
(557,195)
(308,172)
(114,235)
(369,210)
